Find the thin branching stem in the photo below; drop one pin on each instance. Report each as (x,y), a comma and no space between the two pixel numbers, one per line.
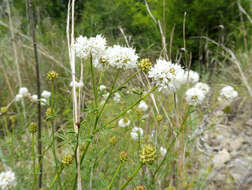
(132,176)
(114,176)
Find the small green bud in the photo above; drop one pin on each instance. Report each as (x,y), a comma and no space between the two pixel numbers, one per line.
(33,127)
(170,188)
(227,110)
(123,156)
(51,75)
(148,154)
(67,160)
(159,117)
(145,65)
(48,112)
(112,140)
(140,187)
(3,110)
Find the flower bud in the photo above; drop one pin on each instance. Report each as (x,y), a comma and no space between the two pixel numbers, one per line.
(33,127)
(51,75)
(159,117)
(140,187)
(67,160)
(3,110)
(123,156)
(145,65)
(148,154)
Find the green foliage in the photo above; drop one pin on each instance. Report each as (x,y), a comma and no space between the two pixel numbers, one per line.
(219,20)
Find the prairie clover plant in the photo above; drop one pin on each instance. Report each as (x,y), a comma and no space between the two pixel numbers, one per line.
(140,110)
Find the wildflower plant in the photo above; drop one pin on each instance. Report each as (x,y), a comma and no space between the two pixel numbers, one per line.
(114,101)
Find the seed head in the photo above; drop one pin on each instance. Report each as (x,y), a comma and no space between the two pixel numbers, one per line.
(148,154)
(145,65)
(67,160)
(3,110)
(159,117)
(112,140)
(48,112)
(227,109)
(170,188)
(33,127)
(140,187)
(123,156)
(52,75)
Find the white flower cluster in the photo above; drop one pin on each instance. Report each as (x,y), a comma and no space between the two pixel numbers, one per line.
(77,84)
(117,97)
(228,93)
(102,87)
(124,122)
(121,57)
(45,96)
(143,106)
(7,180)
(22,93)
(163,151)
(169,76)
(193,76)
(196,95)
(116,56)
(136,133)
(95,46)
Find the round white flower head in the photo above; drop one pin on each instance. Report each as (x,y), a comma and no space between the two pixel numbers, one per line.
(194,96)
(193,76)
(7,180)
(18,97)
(143,106)
(124,122)
(121,57)
(77,84)
(117,97)
(46,94)
(136,133)
(167,75)
(43,101)
(163,151)
(34,98)
(228,93)
(81,47)
(23,91)
(94,46)
(202,86)
(102,87)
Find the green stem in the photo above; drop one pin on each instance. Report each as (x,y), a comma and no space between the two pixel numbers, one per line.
(125,111)
(111,92)
(34,162)
(125,82)
(56,178)
(53,132)
(114,176)
(132,176)
(94,131)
